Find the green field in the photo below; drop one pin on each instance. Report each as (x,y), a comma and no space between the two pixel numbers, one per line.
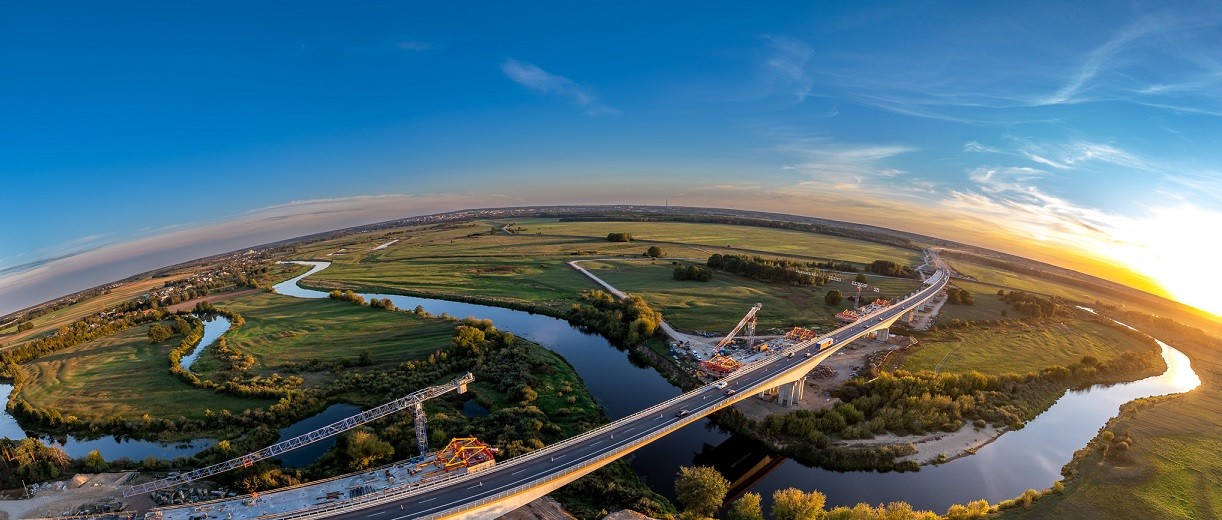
(986,305)
(120,376)
(1015,347)
(280,330)
(766,240)
(719,304)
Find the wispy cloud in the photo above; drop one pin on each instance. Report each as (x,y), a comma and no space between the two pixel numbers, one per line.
(534,78)
(785,66)
(1162,59)
(835,162)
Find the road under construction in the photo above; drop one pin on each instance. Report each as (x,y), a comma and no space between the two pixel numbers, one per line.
(464,479)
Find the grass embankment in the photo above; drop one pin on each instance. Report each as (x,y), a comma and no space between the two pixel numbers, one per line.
(1171,468)
(1015,347)
(120,376)
(718,304)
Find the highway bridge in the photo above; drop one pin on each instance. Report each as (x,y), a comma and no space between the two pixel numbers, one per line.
(508,485)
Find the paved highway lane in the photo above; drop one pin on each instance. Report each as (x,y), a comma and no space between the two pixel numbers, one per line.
(621,437)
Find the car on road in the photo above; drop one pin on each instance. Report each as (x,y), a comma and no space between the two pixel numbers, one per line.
(682,413)
(808,354)
(719,384)
(731,392)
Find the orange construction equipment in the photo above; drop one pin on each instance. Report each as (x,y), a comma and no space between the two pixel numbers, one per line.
(848,316)
(881,302)
(800,334)
(721,364)
(464,452)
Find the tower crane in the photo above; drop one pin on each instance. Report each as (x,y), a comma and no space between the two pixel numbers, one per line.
(413,400)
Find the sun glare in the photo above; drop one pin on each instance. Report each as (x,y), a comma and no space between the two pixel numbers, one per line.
(1175,243)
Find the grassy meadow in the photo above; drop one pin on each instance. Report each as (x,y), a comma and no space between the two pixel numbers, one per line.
(1015,347)
(121,375)
(280,330)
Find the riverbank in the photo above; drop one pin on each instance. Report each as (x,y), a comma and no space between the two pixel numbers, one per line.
(935,448)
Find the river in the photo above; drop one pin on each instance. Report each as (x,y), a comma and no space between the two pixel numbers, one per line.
(1030,458)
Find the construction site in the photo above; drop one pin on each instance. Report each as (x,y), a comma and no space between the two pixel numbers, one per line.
(460,457)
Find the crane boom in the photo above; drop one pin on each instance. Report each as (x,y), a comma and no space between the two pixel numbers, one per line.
(409,401)
(750,317)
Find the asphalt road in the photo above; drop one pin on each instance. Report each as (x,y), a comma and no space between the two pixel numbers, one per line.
(541,465)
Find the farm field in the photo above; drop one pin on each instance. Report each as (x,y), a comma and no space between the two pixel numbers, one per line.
(772,241)
(1015,347)
(121,376)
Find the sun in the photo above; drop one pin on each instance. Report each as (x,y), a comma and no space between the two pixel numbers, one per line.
(1174,247)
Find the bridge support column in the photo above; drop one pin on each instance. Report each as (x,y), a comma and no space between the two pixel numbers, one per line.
(791,393)
(882,334)
(910,317)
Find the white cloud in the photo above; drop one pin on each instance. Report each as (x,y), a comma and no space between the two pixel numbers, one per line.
(785,67)
(826,161)
(544,82)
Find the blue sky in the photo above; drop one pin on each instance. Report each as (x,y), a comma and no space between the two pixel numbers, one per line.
(135,133)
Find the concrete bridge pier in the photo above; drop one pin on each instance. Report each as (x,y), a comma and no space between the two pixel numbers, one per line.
(791,393)
(910,317)
(882,334)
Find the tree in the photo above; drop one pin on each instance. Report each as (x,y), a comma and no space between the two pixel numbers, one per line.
(833,297)
(861,278)
(158,333)
(701,490)
(366,358)
(94,462)
(793,504)
(619,237)
(746,508)
(655,252)
(364,449)
(25,325)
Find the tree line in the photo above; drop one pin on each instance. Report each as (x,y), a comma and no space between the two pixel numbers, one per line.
(692,272)
(769,270)
(890,268)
